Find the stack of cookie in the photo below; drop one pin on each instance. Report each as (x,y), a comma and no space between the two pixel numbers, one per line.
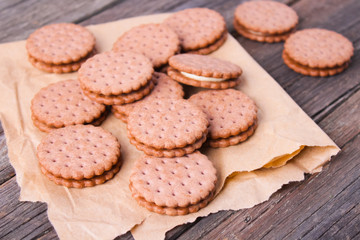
(60,48)
(62,104)
(79,156)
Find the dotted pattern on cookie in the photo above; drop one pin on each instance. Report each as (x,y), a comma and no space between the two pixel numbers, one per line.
(176,75)
(205,66)
(124,98)
(167,124)
(78,152)
(60,43)
(197,27)
(319,48)
(266,16)
(96,180)
(114,73)
(261,38)
(174,182)
(229,111)
(211,48)
(155,41)
(63,103)
(165,87)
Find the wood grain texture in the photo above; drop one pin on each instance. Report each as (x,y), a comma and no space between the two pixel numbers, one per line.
(323,206)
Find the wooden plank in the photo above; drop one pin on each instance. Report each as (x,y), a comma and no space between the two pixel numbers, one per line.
(18,22)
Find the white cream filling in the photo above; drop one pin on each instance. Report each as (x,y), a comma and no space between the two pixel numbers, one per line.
(201,78)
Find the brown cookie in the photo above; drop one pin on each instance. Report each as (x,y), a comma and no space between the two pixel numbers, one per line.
(232,114)
(78,152)
(317,52)
(265,21)
(60,47)
(60,68)
(122,98)
(63,103)
(204,71)
(167,124)
(165,87)
(197,27)
(89,182)
(45,128)
(211,48)
(173,186)
(155,41)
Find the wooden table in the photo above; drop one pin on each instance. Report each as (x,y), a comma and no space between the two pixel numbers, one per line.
(324,206)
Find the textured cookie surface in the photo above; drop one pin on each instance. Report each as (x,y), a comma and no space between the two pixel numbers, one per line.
(196,27)
(318,48)
(165,87)
(266,17)
(114,73)
(63,103)
(60,43)
(229,111)
(167,123)
(78,152)
(205,66)
(211,48)
(174,182)
(155,41)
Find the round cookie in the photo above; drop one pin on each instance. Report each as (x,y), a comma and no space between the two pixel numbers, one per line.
(167,125)
(63,103)
(204,71)
(173,186)
(60,43)
(317,52)
(232,115)
(78,152)
(165,87)
(197,27)
(155,41)
(265,21)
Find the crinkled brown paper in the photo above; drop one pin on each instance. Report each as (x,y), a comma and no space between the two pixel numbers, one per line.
(284,133)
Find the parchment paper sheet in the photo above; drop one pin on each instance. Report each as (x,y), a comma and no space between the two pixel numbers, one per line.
(285,132)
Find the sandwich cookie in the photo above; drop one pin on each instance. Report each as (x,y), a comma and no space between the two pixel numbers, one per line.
(60,47)
(116,77)
(265,21)
(204,71)
(155,41)
(62,104)
(167,128)
(79,156)
(165,87)
(200,30)
(173,186)
(232,115)
(317,52)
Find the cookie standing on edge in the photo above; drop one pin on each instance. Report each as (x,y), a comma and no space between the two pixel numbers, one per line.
(62,104)
(116,77)
(165,87)
(265,21)
(60,47)
(200,30)
(173,186)
(204,71)
(79,156)
(155,41)
(232,115)
(167,128)
(317,52)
